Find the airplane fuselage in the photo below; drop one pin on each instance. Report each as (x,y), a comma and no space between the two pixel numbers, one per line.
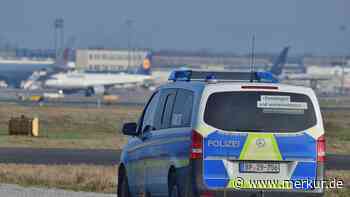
(78,80)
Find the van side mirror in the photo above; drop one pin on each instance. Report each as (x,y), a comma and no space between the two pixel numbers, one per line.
(130,129)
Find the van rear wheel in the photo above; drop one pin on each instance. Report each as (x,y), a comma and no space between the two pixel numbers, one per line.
(124,187)
(174,190)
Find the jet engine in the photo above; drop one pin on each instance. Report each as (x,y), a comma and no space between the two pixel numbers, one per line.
(95,90)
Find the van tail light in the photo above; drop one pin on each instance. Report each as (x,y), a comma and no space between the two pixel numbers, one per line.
(196,146)
(321,149)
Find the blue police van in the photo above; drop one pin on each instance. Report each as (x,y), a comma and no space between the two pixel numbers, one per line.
(225,134)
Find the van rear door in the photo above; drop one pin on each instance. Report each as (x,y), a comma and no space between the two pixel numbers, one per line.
(259,136)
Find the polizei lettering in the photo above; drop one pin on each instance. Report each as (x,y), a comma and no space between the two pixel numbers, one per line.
(223,143)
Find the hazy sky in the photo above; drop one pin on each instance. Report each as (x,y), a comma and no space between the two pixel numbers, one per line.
(311,26)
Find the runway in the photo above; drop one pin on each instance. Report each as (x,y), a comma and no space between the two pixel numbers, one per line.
(59,156)
(127,98)
(104,157)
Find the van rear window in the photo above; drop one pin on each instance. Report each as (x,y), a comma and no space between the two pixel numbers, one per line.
(260,111)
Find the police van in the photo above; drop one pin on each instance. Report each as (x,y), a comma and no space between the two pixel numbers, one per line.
(225,134)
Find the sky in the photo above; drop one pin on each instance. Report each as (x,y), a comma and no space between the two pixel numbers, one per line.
(308,26)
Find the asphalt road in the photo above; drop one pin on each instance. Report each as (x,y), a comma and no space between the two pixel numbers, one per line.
(58,156)
(127,97)
(104,157)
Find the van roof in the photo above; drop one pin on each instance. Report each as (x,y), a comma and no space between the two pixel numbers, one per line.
(237,81)
(245,86)
(237,86)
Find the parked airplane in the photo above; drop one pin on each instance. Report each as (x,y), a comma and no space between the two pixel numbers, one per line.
(277,71)
(98,83)
(61,64)
(278,65)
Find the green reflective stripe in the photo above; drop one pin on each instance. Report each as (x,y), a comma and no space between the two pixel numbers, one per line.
(276,149)
(179,163)
(260,146)
(204,130)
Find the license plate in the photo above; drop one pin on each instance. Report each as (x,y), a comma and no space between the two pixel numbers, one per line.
(259,167)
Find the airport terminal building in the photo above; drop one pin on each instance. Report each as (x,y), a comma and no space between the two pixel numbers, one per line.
(109,60)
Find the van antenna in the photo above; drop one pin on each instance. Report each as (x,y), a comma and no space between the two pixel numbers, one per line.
(252,63)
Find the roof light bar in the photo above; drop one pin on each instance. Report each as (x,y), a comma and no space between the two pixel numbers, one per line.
(191,75)
(180,75)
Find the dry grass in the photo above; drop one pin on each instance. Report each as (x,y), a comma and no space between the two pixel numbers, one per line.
(336,120)
(70,127)
(68,119)
(70,177)
(338,145)
(337,125)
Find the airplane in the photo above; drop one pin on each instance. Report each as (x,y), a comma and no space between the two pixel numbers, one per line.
(99,83)
(311,78)
(279,65)
(61,64)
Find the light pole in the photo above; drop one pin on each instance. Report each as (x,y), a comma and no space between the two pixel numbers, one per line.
(59,35)
(129,23)
(342,91)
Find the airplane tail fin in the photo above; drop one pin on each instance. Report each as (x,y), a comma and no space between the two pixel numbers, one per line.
(145,68)
(279,63)
(62,58)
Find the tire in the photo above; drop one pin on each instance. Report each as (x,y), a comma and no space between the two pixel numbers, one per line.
(174,190)
(123,187)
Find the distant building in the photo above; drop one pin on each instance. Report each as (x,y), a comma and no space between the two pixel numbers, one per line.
(108,60)
(161,60)
(328,70)
(35,53)
(324,60)
(7,53)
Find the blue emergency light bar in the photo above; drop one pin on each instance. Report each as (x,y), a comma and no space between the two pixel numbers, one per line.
(191,75)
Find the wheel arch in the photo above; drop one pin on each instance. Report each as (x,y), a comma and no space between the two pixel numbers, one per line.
(121,174)
(121,171)
(172,171)
(171,175)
